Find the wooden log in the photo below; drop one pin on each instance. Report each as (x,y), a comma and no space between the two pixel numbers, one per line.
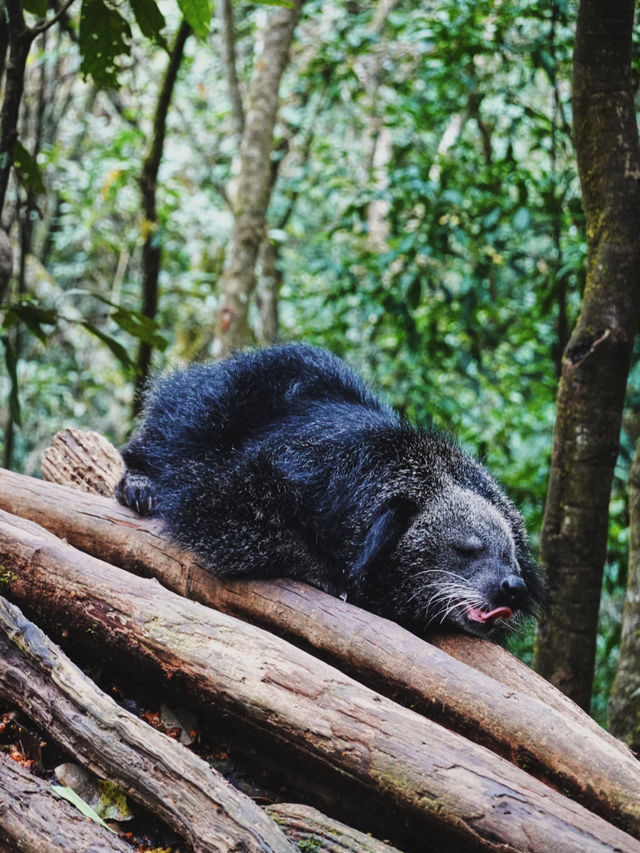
(459,795)
(150,767)
(84,460)
(536,728)
(35,819)
(307,826)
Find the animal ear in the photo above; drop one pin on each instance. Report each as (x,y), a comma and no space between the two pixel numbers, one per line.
(385,530)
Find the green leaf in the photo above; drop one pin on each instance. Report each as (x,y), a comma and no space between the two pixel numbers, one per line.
(150,20)
(198,14)
(104,36)
(27,169)
(140,326)
(11,361)
(79,803)
(34,317)
(115,346)
(36,7)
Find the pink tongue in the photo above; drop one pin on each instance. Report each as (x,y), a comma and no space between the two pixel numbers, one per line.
(477,615)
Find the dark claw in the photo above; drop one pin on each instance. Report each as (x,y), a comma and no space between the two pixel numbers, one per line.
(136,491)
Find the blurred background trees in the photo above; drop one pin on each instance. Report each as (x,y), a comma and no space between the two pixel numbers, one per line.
(423,218)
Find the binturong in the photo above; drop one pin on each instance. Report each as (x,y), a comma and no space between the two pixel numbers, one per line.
(282,463)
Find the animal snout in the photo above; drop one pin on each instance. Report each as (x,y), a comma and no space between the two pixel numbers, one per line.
(513,589)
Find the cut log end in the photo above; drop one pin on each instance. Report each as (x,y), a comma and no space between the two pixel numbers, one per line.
(84,460)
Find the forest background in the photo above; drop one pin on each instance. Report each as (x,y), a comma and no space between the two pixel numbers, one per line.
(424,220)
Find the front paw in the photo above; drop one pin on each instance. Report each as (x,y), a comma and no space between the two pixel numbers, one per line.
(136,492)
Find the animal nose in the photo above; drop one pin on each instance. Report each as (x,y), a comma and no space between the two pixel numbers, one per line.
(513,588)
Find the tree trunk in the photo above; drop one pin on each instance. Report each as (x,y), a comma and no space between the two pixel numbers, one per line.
(237,284)
(381,755)
(150,767)
(545,732)
(268,293)
(152,246)
(229,51)
(624,704)
(20,38)
(597,358)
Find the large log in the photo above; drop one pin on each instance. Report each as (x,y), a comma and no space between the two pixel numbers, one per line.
(34,819)
(523,719)
(152,768)
(457,794)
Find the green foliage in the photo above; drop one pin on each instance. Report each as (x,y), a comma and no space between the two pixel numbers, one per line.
(70,795)
(36,7)
(150,20)
(27,169)
(104,37)
(198,14)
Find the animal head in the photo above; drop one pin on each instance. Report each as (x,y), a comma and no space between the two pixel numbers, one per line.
(459,561)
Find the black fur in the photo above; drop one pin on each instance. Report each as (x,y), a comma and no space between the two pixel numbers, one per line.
(281,462)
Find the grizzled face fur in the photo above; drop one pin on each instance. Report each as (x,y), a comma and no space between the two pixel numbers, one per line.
(457,565)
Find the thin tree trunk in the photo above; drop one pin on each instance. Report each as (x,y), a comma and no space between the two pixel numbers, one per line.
(237,284)
(152,247)
(20,38)
(229,50)
(597,358)
(624,704)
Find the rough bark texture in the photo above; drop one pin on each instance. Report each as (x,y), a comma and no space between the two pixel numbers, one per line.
(306,825)
(152,768)
(84,460)
(228,37)
(382,755)
(523,719)
(596,361)
(624,704)
(237,284)
(20,41)
(36,820)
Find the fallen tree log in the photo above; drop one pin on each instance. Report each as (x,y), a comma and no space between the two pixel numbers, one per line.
(150,767)
(457,794)
(535,727)
(35,819)
(309,826)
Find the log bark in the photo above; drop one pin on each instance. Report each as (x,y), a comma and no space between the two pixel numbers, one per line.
(84,460)
(306,825)
(508,708)
(251,200)
(36,820)
(384,756)
(150,767)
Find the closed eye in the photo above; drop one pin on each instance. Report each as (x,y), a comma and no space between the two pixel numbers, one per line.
(468,548)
